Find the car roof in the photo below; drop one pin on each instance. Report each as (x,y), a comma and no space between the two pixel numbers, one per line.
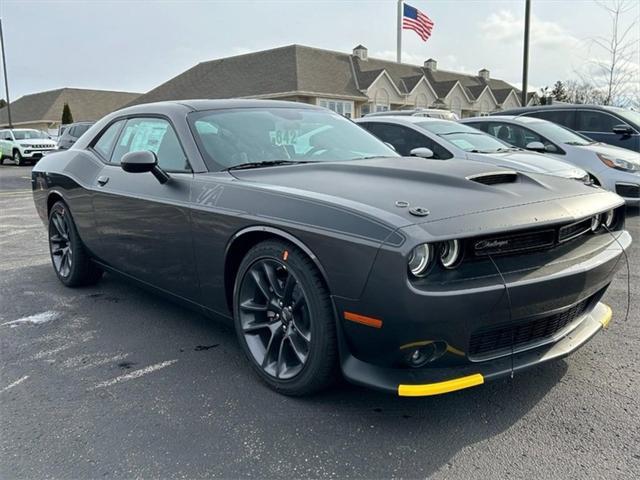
(402,119)
(560,106)
(508,118)
(197,105)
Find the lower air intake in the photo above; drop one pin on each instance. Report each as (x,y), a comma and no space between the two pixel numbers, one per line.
(498,340)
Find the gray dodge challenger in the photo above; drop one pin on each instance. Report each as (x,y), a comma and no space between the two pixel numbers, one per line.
(330,253)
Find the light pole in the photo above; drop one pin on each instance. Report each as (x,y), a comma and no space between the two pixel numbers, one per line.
(4,69)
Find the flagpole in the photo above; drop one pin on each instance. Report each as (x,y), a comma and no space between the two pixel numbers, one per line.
(399,44)
(525,53)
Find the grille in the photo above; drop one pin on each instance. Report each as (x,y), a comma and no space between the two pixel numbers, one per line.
(491,341)
(629,191)
(574,230)
(514,243)
(495,178)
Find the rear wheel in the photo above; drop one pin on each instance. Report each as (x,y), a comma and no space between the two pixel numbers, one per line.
(284,319)
(70,259)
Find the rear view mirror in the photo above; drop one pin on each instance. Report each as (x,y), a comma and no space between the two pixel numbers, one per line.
(536,146)
(141,162)
(622,130)
(422,152)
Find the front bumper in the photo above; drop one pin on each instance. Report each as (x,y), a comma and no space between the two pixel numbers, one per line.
(435,381)
(455,311)
(625,184)
(29,154)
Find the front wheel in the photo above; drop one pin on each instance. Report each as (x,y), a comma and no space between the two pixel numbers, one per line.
(70,259)
(17,158)
(284,319)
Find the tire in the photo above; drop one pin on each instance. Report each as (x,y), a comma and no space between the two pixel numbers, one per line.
(17,158)
(284,319)
(70,260)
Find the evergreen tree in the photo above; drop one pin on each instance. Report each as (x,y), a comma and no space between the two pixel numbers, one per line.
(559,93)
(67,117)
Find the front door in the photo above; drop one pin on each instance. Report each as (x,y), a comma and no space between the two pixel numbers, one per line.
(143,226)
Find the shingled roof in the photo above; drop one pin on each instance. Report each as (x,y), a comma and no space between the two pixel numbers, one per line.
(300,70)
(85,105)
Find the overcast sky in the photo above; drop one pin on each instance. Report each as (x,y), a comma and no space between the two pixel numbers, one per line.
(137,45)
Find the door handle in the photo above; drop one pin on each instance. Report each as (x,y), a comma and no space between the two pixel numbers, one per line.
(102,181)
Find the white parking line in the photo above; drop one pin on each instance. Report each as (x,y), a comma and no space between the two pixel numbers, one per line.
(134,374)
(17,382)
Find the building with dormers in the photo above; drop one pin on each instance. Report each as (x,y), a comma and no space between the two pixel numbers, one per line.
(351,84)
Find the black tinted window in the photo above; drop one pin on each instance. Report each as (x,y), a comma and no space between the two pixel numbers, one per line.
(105,143)
(593,121)
(514,134)
(155,135)
(405,139)
(561,117)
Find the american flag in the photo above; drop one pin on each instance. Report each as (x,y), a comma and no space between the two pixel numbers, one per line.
(414,19)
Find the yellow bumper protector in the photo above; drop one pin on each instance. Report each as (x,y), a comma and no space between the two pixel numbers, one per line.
(607,316)
(440,387)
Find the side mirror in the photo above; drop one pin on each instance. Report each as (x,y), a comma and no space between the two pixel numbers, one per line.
(422,152)
(624,130)
(390,146)
(536,146)
(141,162)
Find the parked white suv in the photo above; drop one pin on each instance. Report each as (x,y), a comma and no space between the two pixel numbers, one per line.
(24,144)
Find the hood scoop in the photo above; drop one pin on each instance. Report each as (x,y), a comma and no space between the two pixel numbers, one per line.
(494,178)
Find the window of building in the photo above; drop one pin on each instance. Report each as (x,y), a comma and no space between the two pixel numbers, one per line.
(339,106)
(155,135)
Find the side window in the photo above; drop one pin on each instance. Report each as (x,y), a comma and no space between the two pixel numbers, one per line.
(406,139)
(155,135)
(484,126)
(593,121)
(561,117)
(105,143)
(73,132)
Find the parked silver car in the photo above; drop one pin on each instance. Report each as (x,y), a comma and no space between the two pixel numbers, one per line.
(614,168)
(444,139)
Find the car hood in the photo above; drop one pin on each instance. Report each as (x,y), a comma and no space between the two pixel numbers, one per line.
(535,163)
(389,188)
(36,141)
(611,150)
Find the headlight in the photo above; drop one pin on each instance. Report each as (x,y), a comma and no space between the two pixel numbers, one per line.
(608,218)
(450,253)
(596,221)
(619,163)
(420,260)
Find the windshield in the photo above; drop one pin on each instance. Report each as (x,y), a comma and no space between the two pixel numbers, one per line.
(466,138)
(629,115)
(559,134)
(228,138)
(28,134)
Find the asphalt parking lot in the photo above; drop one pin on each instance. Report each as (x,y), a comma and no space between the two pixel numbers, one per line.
(114,382)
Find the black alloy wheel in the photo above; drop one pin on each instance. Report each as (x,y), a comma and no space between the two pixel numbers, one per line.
(60,243)
(284,319)
(70,260)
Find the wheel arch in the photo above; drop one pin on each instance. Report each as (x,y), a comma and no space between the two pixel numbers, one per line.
(244,240)
(52,198)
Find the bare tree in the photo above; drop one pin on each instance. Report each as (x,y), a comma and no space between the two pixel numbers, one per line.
(614,69)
